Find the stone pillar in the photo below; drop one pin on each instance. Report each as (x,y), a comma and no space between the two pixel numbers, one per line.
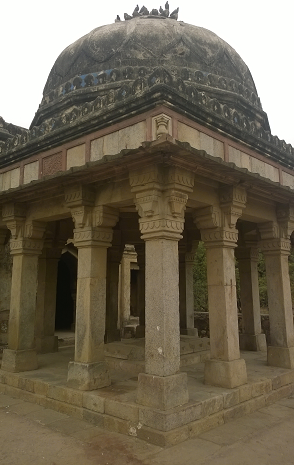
(140,249)
(160,197)
(275,245)
(5,287)
(92,237)
(112,331)
(187,290)
(251,337)
(218,232)
(46,341)
(26,245)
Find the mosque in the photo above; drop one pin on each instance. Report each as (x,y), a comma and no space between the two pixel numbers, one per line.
(149,138)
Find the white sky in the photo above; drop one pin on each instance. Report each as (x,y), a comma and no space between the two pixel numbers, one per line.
(33,33)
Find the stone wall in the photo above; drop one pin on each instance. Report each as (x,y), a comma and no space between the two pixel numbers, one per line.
(202,324)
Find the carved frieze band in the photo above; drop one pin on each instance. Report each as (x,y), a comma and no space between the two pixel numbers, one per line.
(276,245)
(26,246)
(79,195)
(220,237)
(92,237)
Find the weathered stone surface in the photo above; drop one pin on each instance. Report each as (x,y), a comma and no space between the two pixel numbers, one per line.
(88,376)
(226,374)
(19,360)
(280,356)
(162,392)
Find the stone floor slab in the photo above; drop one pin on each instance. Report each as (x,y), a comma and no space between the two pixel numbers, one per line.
(46,416)
(69,425)
(227,434)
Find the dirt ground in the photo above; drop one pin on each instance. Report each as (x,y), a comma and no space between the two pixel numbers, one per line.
(33,435)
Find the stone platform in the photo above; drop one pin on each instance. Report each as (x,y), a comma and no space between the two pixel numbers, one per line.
(129,354)
(114,408)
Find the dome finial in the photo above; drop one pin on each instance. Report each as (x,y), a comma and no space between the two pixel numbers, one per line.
(154,12)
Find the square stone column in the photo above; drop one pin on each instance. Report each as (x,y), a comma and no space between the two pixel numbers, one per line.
(46,341)
(92,237)
(160,197)
(251,337)
(218,232)
(275,245)
(26,245)
(112,331)
(140,249)
(89,370)
(187,291)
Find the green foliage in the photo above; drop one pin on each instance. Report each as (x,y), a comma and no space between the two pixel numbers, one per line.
(200,280)
(262,281)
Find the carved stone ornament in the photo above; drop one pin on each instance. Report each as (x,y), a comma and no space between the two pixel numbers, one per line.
(26,236)
(218,224)
(93,237)
(79,195)
(232,203)
(161,124)
(275,235)
(160,199)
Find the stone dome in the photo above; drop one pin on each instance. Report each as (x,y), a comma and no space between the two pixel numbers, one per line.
(132,56)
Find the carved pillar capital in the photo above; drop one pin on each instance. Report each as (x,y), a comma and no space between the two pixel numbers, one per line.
(26,235)
(29,239)
(161,195)
(275,237)
(232,203)
(217,223)
(191,251)
(248,251)
(93,224)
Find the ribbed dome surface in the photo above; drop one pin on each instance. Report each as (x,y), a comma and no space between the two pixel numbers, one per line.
(132,56)
(149,41)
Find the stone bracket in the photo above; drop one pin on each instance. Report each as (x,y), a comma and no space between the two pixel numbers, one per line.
(161,194)
(79,195)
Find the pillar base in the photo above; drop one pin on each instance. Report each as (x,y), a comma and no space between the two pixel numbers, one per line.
(162,392)
(111,335)
(225,374)
(280,357)
(253,342)
(19,360)
(189,332)
(47,344)
(88,376)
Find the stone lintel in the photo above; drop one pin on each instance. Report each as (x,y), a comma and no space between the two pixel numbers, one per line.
(162,392)
(280,356)
(225,374)
(88,376)
(16,361)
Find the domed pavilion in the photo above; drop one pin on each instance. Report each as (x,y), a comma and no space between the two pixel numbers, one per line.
(150,132)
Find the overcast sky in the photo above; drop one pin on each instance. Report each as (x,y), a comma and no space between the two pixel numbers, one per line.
(33,34)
